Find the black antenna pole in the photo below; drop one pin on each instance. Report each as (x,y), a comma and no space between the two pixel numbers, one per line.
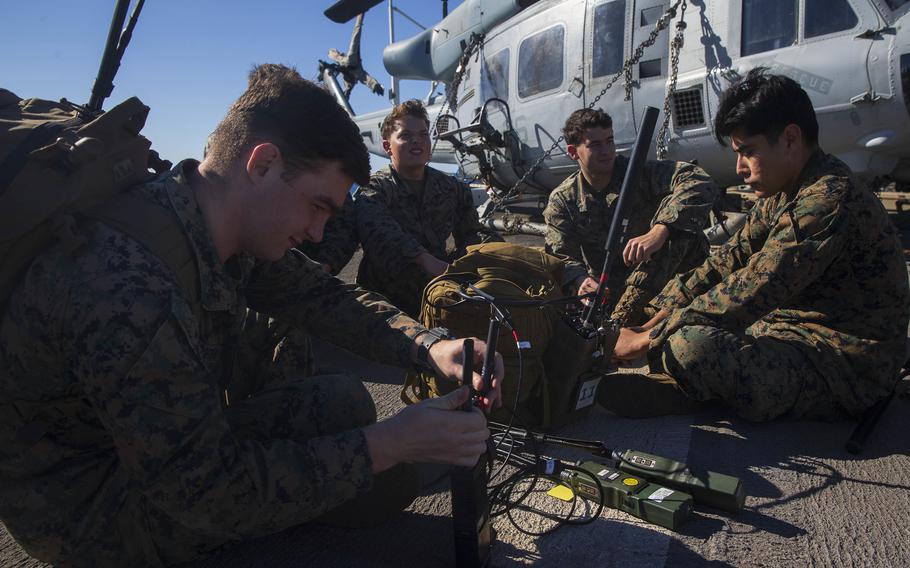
(470,500)
(619,223)
(127,34)
(445,8)
(113,52)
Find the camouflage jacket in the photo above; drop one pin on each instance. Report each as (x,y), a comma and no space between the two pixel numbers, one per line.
(339,240)
(394,227)
(677,194)
(110,379)
(821,266)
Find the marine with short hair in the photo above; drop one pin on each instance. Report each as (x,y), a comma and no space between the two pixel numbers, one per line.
(804,312)
(408,211)
(131,435)
(668,211)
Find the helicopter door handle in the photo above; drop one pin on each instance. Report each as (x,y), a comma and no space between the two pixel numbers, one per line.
(876,34)
(866,98)
(577,87)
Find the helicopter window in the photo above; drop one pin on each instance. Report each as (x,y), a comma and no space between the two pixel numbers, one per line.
(768,24)
(494,80)
(649,16)
(609,27)
(650,68)
(540,62)
(828,16)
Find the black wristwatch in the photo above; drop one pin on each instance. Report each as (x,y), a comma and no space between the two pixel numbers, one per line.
(427,340)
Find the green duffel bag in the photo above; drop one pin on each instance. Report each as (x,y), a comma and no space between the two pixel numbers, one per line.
(541,392)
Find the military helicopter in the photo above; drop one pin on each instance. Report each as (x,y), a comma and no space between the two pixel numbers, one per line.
(513,71)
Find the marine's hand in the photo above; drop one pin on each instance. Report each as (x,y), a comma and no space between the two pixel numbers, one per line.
(643,247)
(658,317)
(430,264)
(447,358)
(432,431)
(633,342)
(588,286)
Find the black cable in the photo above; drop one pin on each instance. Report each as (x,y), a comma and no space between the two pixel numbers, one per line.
(528,472)
(503,495)
(480,297)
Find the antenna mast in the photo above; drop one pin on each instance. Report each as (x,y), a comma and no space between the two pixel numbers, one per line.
(393,92)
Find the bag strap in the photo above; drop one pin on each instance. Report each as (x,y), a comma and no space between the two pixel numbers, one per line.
(159,229)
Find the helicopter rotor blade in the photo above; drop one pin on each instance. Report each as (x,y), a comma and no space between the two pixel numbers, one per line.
(346,10)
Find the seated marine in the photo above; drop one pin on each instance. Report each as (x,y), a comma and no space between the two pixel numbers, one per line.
(131,434)
(667,213)
(408,211)
(803,313)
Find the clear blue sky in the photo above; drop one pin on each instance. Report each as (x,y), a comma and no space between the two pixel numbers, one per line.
(188,60)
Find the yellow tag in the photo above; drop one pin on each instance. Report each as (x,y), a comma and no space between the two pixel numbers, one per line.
(631,481)
(561,492)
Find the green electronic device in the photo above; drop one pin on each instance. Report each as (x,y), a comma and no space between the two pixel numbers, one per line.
(662,506)
(709,488)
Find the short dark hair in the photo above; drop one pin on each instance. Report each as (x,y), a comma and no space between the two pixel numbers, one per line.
(411,107)
(763,103)
(302,119)
(582,119)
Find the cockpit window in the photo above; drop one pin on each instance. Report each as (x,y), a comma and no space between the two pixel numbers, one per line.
(828,16)
(609,38)
(649,16)
(540,62)
(768,24)
(895,4)
(494,78)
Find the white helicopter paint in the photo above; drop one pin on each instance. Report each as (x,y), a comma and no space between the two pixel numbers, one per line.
(851,67)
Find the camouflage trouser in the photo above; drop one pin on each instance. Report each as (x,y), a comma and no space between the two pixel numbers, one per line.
(760,377)
(286,405)
(682,252)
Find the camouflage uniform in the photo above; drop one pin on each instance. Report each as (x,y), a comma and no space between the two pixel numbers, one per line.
(803,313)
(395,226)
(339,240)
(116,445)
(676,194)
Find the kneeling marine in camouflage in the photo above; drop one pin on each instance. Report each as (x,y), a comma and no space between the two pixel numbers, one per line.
(667,213)
(803,313)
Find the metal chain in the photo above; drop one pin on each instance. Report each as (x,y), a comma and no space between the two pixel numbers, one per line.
(474,44)
(663,135)
(625,71)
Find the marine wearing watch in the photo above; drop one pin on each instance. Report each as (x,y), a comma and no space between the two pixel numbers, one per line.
(425,341)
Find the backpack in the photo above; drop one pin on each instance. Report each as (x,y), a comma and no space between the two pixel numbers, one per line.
(556,362)
(57,160)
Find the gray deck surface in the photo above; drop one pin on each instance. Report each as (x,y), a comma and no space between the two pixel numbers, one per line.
(810,503)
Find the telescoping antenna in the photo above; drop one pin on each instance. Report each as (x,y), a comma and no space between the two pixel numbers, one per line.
(620,221)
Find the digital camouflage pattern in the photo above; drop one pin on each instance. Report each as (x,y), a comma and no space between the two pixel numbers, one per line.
(395,225)
(115,443)
(803,313)
(339,240)
(679,195)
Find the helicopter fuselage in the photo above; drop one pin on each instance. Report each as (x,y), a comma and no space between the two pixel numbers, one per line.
(553,57)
